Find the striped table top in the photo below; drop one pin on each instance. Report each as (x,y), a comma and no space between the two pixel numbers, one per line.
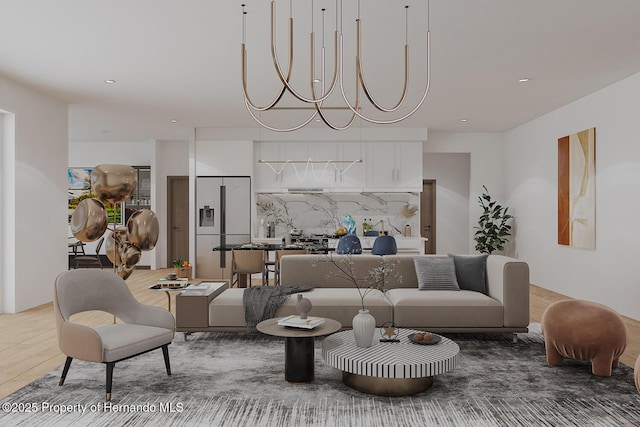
(390,360)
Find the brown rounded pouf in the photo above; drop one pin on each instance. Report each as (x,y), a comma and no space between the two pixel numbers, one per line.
(586,331)
(636,373)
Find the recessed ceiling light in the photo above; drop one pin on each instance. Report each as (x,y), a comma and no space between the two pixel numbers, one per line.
(464,120)
(174,121)
(103,131)
(109,82)
(523,80)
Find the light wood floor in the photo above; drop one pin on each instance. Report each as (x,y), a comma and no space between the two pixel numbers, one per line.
(29,346)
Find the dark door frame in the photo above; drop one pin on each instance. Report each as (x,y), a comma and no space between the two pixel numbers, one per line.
(432,239)
(170,180)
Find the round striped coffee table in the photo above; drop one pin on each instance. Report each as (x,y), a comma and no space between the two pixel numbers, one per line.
(389,369)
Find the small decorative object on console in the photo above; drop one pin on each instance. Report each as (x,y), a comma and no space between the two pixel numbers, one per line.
(183,268)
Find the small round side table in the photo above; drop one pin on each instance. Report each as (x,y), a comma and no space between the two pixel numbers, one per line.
(298,346)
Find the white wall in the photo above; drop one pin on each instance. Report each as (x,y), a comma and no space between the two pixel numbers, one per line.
(608,274)
(90,154)
(34,192)
(7,215)
(452,172)
(486,168)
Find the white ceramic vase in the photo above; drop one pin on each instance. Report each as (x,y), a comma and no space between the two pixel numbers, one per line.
(364,325)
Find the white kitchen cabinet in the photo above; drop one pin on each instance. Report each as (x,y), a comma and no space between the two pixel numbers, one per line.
(409,165)
(295,174)
(265,179)
(355,176)
(323,173)
(394,166)
(385,166)
(330,159)
(223,158)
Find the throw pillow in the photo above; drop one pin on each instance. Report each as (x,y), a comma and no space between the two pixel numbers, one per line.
(436,274)
(471,272)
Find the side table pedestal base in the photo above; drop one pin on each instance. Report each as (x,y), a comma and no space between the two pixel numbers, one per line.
(299,359)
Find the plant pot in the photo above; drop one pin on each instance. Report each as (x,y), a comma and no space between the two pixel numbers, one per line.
(364,325)
(184,272)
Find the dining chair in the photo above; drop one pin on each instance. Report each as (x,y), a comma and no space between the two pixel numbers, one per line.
(279,254)
(91,260)
(270,267)
(76,249)
(142,328)
(244,263)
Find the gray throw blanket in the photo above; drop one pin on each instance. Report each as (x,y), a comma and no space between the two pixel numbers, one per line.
(262,302)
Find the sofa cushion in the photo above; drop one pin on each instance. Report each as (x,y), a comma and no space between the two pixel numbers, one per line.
(445,309)
(340,304)
(316,270)
(436,274)
(471,272)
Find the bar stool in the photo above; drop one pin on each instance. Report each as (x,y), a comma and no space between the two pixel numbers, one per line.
(384,245)
(349,244)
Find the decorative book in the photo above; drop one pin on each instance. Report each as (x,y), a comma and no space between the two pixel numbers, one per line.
(204,288)
(176,283)
(296,322)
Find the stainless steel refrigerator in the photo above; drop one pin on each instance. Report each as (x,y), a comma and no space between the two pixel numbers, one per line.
(223,210)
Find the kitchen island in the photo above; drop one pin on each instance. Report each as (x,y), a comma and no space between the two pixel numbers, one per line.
(406,245)
(272,247)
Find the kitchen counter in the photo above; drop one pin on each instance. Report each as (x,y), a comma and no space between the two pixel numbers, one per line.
(405,245)
(271,247)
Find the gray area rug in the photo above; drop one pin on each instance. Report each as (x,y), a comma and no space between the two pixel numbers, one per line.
(238,380)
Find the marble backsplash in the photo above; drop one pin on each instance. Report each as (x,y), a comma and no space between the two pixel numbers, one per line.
(320,213)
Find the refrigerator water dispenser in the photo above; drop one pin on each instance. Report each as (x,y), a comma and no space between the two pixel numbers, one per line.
(206,216)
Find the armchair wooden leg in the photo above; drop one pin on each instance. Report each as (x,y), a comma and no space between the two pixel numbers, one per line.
(110,366)
(165,353)
(65,370)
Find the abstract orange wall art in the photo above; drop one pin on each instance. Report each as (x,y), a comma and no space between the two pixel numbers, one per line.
(577,189)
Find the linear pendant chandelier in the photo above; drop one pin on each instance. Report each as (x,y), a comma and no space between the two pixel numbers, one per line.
(320,94)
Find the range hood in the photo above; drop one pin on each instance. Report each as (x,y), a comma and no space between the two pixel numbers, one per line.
(305,190)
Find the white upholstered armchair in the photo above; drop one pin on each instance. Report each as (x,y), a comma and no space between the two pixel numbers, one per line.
(144,327)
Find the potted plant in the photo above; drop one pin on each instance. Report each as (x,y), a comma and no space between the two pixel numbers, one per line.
(493,229)
(183,268)
(363,323)
(275,214)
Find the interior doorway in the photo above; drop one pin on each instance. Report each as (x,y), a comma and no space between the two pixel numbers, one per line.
(428,215)
(178,218)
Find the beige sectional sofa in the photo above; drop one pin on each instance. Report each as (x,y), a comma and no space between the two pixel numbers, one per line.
(504,307)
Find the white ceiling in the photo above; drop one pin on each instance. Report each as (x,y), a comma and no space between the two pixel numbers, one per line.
(180,59)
